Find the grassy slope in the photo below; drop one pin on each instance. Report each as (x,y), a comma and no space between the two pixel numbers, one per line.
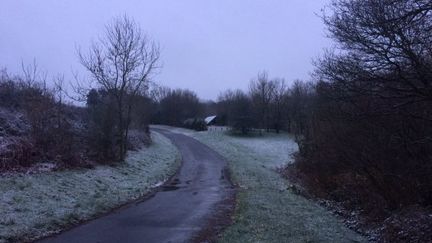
(267,211)
(34,205)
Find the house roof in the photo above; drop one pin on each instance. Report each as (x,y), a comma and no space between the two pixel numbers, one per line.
(209,119)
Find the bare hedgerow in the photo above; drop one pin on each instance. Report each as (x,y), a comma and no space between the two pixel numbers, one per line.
(35,124)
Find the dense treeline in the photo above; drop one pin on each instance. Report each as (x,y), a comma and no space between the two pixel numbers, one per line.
(367,140)
(269,105)
(174,107)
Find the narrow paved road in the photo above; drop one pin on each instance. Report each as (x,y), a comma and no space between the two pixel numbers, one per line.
(178,211)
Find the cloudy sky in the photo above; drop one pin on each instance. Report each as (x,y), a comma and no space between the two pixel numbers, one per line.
(207,46)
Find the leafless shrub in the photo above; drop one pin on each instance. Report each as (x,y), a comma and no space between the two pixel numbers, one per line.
(35,125)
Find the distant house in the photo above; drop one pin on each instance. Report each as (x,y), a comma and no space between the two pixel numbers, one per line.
(210,120)
(215,123)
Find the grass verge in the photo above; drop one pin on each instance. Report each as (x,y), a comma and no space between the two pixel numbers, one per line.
(33,206)
(267,210)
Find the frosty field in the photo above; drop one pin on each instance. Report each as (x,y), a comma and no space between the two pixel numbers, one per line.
(32,206)
(267,211)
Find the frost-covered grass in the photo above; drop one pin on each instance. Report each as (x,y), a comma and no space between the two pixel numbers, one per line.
(267,211)
(32,206)
(184,131)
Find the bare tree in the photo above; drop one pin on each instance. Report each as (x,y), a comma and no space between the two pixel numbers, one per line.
(279,104)
(122,63)
(32,75)
(261,91)
(158,93)
(385,49)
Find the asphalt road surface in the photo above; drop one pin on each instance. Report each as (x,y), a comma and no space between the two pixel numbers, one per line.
(175,213)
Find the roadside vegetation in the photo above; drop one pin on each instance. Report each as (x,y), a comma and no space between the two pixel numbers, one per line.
(367,144)
(36,205)
(363,121)
(62,163)
(40,124)
(361,127)
(268,210)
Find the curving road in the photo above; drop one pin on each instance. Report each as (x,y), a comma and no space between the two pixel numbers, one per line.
(175,213)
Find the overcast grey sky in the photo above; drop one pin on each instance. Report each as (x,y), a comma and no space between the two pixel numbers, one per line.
(207,46)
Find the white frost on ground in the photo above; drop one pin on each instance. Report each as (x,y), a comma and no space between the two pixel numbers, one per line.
(179,130)
(278,148)
(267,211)
(32,206)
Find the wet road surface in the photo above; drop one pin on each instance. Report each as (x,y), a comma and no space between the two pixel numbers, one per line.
(175,213)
